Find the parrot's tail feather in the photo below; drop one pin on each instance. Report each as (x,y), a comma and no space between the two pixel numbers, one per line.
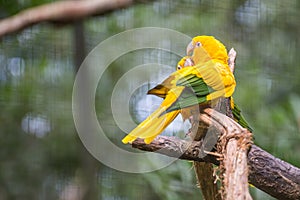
(128,139)
(149,139)
(157,121)
(151,127)
(145,125)
(158,126)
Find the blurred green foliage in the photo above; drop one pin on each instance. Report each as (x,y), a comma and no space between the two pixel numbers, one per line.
(14,6)
(41,154)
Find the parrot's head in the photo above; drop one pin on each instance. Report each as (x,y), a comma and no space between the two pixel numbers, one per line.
(185,62)
(206,47)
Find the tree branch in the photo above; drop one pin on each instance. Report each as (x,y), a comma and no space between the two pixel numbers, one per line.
(233,146)
(272,175)
(60,11)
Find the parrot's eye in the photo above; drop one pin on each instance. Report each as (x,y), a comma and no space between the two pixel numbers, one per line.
(198,44)
(179,67)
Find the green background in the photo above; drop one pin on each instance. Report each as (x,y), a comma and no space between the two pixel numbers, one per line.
(41,154)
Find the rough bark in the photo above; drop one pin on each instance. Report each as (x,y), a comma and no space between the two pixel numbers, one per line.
(272,175)
(232,146)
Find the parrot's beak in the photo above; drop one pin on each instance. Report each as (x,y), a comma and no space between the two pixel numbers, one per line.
(190,49)
(189,62)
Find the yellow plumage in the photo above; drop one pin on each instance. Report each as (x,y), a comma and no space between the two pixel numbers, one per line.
(157,121)
(209,66)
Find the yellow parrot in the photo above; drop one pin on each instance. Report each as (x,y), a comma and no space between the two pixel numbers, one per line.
(208,79)
(161,90)
(236,112)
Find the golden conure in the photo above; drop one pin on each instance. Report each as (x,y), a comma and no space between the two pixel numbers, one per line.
(209,79)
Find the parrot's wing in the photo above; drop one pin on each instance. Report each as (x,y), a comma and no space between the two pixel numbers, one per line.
(195,92)
(162,89)
(217,76)
(195,89)
(203,82)
(159,90)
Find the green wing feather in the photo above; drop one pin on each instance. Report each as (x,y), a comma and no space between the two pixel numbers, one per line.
(195,92)
(238,117)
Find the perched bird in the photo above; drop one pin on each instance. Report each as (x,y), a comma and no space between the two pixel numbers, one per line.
(216,52)
(201,78)
(186,113)
(162,89)
(204,171)
(207,80)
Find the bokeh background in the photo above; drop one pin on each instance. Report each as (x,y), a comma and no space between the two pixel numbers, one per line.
(41,154)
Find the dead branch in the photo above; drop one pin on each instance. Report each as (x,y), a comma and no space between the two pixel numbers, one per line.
(272,175)
(60,11)
(233,145)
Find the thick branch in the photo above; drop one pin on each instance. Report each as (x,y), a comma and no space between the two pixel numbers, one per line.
(266,172)
(233,146)
(177,148)
(60,11)
(272,175)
